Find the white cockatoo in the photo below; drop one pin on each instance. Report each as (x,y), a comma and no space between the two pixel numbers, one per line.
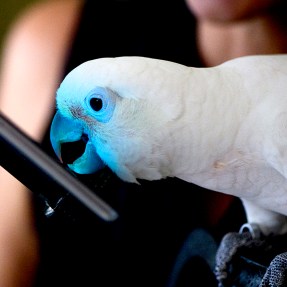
(223,128)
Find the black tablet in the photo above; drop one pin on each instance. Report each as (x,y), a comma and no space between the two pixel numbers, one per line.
(42,174)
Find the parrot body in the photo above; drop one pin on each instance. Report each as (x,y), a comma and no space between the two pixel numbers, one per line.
(223,128)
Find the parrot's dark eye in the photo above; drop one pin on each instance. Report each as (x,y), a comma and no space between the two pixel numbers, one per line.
(96,104)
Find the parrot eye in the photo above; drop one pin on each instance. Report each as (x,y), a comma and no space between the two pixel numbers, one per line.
(96,104)
(101,104)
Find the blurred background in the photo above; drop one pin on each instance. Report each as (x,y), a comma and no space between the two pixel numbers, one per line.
(9,10)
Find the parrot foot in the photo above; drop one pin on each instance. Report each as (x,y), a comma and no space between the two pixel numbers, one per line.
(249,259)
(231,256)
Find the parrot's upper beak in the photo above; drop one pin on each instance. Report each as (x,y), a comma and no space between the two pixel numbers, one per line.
(64,130)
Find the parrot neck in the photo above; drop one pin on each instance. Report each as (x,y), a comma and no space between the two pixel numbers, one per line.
(215,111)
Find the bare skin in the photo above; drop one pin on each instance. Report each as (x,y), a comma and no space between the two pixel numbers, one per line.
(35,41)
(219,43)
(230,29)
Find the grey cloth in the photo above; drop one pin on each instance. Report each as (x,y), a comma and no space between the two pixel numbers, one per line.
(276,274)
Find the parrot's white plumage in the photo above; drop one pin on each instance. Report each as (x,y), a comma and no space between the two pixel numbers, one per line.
(223,128)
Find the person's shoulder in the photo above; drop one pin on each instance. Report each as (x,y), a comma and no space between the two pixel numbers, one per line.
(45,22)
(46,13)
(33,57)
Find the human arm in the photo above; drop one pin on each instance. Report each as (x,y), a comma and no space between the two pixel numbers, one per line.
(31,65)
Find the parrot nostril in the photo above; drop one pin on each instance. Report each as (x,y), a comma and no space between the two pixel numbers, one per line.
(71,151)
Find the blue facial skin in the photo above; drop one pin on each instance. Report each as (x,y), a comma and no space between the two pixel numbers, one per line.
(100,104)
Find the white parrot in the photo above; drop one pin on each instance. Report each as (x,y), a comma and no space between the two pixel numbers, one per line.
(223,128)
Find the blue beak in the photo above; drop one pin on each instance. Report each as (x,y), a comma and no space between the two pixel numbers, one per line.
(64,130)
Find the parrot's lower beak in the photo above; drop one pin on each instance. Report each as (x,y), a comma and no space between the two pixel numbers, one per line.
(63,131)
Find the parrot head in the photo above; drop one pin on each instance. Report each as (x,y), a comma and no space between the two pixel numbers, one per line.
(121,114)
